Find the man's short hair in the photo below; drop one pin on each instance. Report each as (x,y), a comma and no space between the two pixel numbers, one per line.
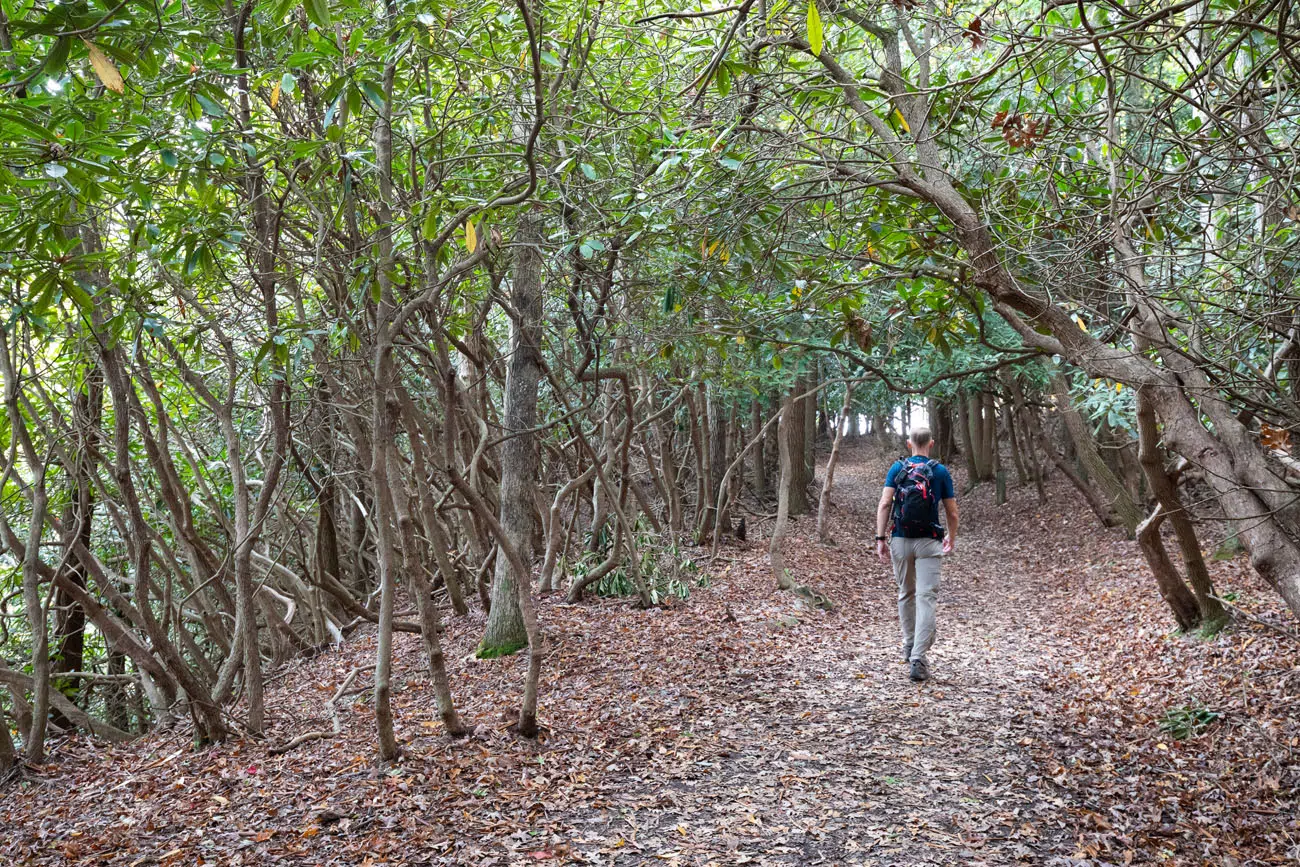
(920,436)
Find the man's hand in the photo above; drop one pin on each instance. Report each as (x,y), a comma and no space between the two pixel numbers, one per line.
(882,550)
(948,542)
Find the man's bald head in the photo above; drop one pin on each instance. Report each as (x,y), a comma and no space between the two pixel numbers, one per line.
(921,438)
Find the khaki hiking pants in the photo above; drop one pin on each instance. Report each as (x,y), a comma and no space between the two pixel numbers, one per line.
(916,569)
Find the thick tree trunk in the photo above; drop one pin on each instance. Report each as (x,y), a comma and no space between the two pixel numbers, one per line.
(78,518)
(506,631)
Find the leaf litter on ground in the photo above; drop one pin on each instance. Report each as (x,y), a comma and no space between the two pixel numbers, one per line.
(743,726)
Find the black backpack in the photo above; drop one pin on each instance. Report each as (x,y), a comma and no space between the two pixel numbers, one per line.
(916,502)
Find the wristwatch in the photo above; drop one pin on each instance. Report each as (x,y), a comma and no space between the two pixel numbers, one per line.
(881,538)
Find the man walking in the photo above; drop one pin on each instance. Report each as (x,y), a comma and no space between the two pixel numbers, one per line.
(914,488)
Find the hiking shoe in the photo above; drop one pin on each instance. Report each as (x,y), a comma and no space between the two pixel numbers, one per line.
(907,653)
(920,671)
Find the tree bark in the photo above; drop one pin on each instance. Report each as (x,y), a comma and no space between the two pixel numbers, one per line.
(1113,490)
(1017,457)
(1210,610)
(970,433)
(422,589)
(1172,589)
(810,432)
(789,429)
(70,624)
(829,481)
(797,436)
(506,632)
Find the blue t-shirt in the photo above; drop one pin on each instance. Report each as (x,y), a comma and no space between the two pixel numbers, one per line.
(942,485)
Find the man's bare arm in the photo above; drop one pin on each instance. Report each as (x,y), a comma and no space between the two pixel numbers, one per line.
(950,509)
(883,510)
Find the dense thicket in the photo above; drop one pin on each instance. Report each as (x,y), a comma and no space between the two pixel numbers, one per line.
(330,313)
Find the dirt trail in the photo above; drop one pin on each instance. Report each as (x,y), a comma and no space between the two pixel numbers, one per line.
(839,758)
(741,726)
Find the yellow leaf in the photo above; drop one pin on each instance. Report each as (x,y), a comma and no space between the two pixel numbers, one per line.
(471,237)
(275,95)
(714,246)
(1119,386)
(740,340)
(104,68)
(902,121)
(310,831)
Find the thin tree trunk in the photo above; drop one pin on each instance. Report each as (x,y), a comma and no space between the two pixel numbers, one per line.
(787,428)
(797,436)
(1112,488)
(829,481)
(527,725)
(758,467)
(34,744)
(970,441)
(1150,456)
(381,419)
(812,378)
(8,756)
(672,475)
(1172,589)
(555,536)
(991,458)
(422,589)
(771,444)
(1017,457)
